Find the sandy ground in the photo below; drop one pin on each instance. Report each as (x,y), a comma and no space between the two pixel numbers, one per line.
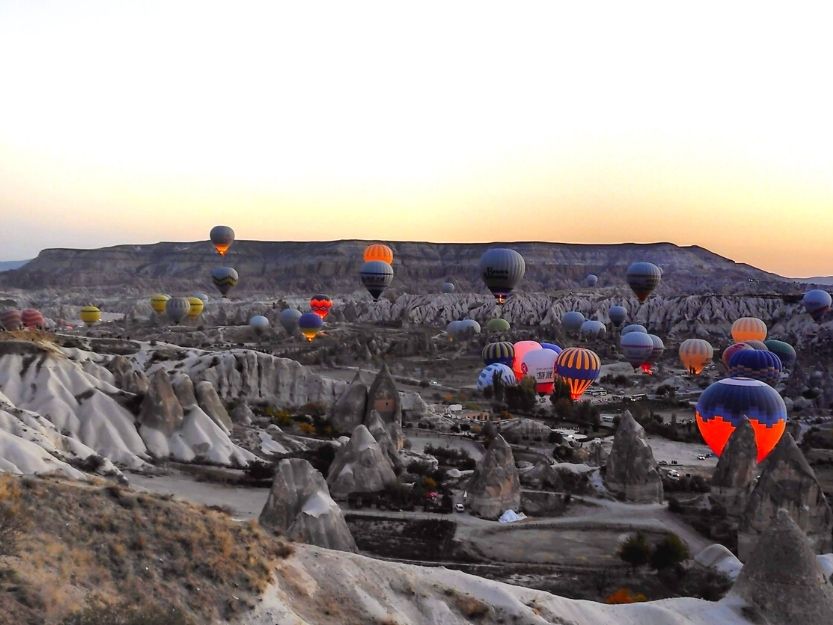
(419,441)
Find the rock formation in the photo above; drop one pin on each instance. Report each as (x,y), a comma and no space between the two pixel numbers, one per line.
(782,579)
(300,506)
(543,477)
(242,414)
(126,376)
(383,397)
(360,466)
(495,486)
(349,409)
(380,432)
(210,403)
(160,408)
(631,471)
(787,482)
(738,465)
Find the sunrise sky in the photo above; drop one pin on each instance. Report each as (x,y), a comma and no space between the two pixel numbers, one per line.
(697,123)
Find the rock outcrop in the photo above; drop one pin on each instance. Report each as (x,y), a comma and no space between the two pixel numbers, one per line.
(782,580)
(127,377)
(300,506)
(349,409)
(380,432)
(160,408)
(631,472)
(360,466)
(787,482)
(543,477)
(383,397)
(242,414)
(211,405)
(736,469)
(495,487)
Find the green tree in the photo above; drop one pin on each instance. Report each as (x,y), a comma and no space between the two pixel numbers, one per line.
(668,553)
(635,550)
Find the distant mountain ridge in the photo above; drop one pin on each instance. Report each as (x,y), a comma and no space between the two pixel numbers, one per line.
(8,265)
(333,266)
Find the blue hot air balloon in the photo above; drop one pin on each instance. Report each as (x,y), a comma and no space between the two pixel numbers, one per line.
(591,280)
(756,364)
(486,377)
(643,278)
(592,329)
(637,348)
(817,303)
(572,321)
(552,346)
(617,315)
(634,327)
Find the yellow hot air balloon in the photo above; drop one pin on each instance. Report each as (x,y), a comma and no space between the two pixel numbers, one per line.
(748,329)
(695,354)
(158,303)
(90,315)
(378,251)
(197,306)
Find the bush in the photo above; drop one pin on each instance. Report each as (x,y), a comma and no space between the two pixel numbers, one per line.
(674,505)
(260,471)
(670,552)
(12,520)
(128,615)
(635,550)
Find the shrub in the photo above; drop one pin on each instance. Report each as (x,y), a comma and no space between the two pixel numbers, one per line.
(669,552)
(635,550)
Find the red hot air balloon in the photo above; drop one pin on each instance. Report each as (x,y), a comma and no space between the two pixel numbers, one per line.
(321,305)
(32,318)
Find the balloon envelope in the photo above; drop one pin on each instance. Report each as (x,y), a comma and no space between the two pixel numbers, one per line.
(756,364)
(785,351)
(636,347)
(591,280)
(817,303)
(376,276)
(695,354)
(289,319)
(592,329)
(259,324)
(11,319)
(486,377)
(224,278)
(158,302)
(572,321)
(552,346)
(501,269)
(32,318)
(643,278)
(378,251)
(724,404)
(177,308)
(579,368)
(90,315)
(320,305)
(497,326)
(748,329)
(310,325)
(502,353)
(222,237)
(448,287)
(634,327)
(617,315)
(540,365)
(197,306)
(521,349)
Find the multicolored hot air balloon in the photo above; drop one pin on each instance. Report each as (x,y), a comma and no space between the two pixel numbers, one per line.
(177,309)
(539,364)
(497,326)
(592,329)
(376,276)
(448,287)
(591,280)
(310,324)
(634,327)
(617,315)
(552,346)
(289,319)
(695,354)
(487,376)
(643,278)
(222,237)
(817,303)
(320,305)
(224,278)
(572,321)
(259,324)
(748,329)
(32,319)
(378,251)
(197,306)
(636,348)
(784,351)
(90,315)
(11,320)
(501,269)
(158,302)
(579,368)
(502,353)
(521,349)
(756,364)
(725,403)
(731,351)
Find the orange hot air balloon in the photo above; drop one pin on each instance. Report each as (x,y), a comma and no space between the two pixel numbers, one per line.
(378,251)
(748,329)
(321,305)
(695,354)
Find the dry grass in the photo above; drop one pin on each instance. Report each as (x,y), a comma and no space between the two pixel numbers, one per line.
(41,338)
(114,546)
(471,607)
(13,521)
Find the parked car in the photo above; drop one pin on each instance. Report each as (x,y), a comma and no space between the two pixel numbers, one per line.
(458,507)
(701,457)
(663,461)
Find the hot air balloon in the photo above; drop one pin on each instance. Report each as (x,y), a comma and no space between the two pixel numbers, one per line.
(695,354)
(463,329)
(592,329)
(636,347)
(725,403)
(748,329)
(540,365)
(731,351)
(222,237)
(552,346)
(572,321)
(617,315)
(90,315)
(197,306)
(376,276)
(497,326)
(656,352)
(521,348)
(501,269)
(11,320)
(591,280)
(32,318)
(224,278)
(756,364)
(817,303)
(205,299)
(578,367)
(259,324)
(380,252)
(320,305)
(487,376)
(289,319)
(502,353)
(634,327)
(177,309)
(448,287)
(310,325)
(158,302)
(784,351)
(757,345)
(643,278)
